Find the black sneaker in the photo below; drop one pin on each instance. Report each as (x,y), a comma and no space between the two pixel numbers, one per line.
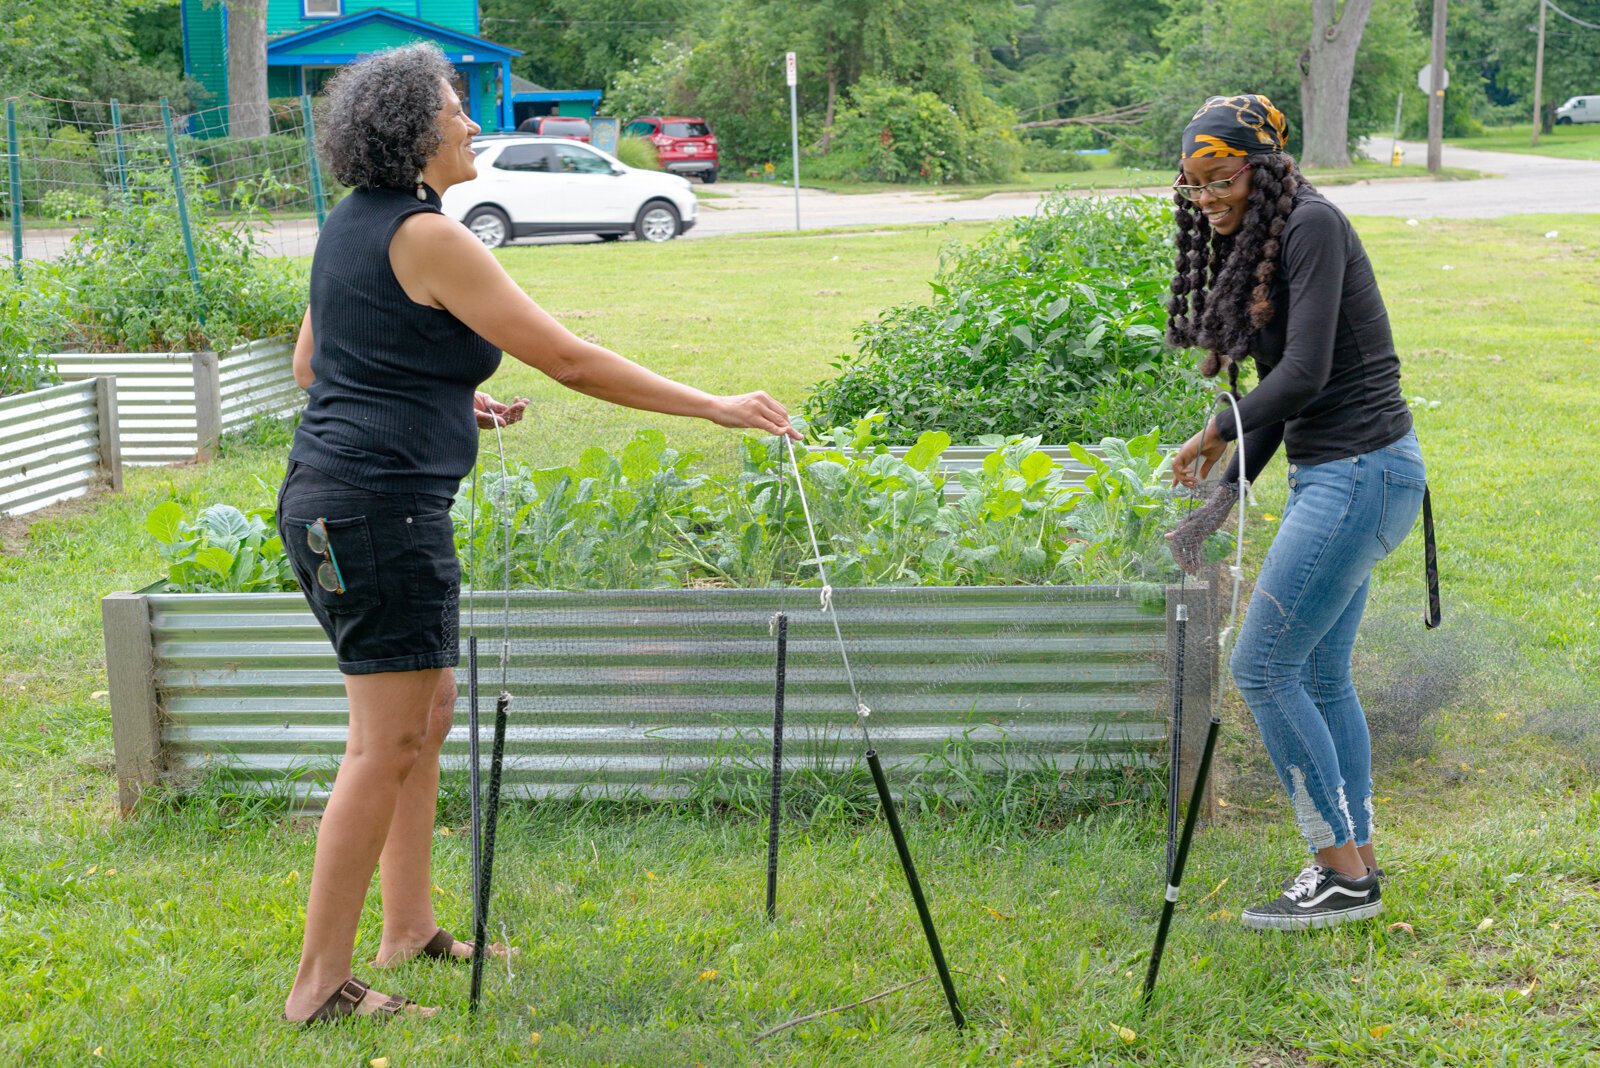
(1319,897)
(1290,881)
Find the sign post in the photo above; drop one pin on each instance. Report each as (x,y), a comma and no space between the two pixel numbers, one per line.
(794,132)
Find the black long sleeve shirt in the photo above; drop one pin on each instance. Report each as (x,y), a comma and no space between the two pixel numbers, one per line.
(1329,376)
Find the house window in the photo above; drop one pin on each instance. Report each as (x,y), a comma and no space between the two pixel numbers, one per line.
(323,9)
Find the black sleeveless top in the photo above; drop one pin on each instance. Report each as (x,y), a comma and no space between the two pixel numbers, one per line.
(391,407)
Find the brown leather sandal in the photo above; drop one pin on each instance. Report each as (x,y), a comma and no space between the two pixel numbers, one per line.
(344,1002)
(438,948)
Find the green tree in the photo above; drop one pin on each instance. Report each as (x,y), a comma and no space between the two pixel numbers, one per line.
(1215,47)
(585,44)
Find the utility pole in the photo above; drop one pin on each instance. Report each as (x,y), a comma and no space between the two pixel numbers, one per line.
(1436,91)
(1538,80)
(791,76)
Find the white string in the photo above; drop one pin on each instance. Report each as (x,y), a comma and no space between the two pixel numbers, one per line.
(505,586)
(862,711)
(1236,570)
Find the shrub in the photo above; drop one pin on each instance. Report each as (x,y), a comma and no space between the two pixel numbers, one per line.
(1051,325)
(893,133)
(1039,156)
(639,153)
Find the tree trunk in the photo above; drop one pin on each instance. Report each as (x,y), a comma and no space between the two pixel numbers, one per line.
(247,69)
(1326,70)
(833,98)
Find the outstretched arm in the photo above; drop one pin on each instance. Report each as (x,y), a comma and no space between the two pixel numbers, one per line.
(438,262)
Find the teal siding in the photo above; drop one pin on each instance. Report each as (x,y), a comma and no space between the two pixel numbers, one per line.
(285,16)
(461,15)
(361,40)
(280,81)
(205,50)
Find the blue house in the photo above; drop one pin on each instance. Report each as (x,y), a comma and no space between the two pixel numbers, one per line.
(309,40)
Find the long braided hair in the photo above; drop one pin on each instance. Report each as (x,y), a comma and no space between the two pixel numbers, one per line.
(1222,285)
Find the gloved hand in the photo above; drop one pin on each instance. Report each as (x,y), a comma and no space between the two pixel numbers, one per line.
(1187,540)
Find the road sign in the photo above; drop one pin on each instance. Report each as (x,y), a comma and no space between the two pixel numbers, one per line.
(789,71)
(1425,79)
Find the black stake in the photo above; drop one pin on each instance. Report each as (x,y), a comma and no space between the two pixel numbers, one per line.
(916,887)
(775,816)
(1175,737)
(474,776)
(480,940)
(1175,876)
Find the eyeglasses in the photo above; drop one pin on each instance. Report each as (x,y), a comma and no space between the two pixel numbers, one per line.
(328,576)
(1216,189)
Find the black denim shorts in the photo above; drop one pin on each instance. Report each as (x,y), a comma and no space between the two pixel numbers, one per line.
(397,556)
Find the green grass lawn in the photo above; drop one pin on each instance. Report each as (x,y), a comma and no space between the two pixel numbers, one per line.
(1107,175)
(169,938)
(1568,142)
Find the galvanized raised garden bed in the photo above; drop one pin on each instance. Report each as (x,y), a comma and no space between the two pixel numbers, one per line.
(56,444)
(646,690)
(173,407)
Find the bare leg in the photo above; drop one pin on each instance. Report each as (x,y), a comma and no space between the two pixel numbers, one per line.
(1368,857)
(404,870)
(1344,859)
(388,722)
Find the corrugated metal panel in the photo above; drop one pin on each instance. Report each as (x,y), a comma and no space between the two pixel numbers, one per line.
(156,394)
(155,401)
(49,446)
(647,689)
(258,379)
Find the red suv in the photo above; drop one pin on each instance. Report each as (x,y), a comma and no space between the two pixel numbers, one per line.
(557,126)
(684,146)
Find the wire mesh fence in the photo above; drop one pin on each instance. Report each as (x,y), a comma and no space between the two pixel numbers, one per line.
(70,161)
(129,228)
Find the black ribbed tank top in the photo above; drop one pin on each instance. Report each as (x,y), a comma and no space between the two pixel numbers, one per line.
(391,407)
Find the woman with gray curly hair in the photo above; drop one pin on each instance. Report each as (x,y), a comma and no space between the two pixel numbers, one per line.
(409,314)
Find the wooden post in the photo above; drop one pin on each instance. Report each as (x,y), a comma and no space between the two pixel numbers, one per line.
(135,714)
(1538,79)
(1201,676)
(207,405)
(105,401)
(1436,92)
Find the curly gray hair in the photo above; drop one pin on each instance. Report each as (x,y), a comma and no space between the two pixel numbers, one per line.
(381,118)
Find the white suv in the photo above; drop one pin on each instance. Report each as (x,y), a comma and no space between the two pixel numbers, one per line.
(530,185)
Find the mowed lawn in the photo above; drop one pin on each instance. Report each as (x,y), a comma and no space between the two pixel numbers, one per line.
(1575,141)
(169,938)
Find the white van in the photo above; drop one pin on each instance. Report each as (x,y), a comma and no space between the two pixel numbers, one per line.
(1578,109)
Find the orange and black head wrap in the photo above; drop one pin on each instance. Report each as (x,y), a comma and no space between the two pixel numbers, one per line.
(1246,125)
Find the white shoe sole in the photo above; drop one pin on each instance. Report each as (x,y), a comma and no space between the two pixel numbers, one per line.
(1277,922)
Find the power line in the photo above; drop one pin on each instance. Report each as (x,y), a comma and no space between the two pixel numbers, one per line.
(1571,18)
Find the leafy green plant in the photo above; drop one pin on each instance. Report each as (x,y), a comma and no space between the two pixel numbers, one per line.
(127,273)
(645,518)
(224,550)
(1050,326)
(32,308)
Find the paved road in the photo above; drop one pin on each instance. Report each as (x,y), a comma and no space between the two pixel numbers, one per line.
(1522,184)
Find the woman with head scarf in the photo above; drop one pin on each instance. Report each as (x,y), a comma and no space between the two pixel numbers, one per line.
(1267,268)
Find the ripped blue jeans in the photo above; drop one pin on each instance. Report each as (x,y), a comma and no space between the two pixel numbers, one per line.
(1292,660)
